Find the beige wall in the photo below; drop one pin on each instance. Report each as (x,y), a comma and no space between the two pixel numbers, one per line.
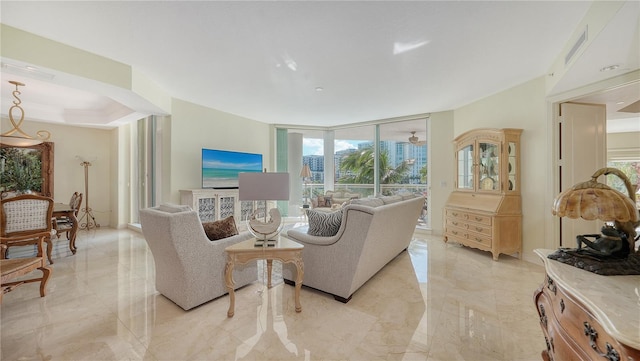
(68,175)
(194,127)
(525,107)
(623,146)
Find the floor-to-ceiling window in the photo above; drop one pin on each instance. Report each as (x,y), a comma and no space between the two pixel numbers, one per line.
(353,159)
(368,159)
(403,160)
(145,170)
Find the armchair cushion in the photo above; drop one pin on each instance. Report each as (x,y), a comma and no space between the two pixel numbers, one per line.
(325,224)
(220,229)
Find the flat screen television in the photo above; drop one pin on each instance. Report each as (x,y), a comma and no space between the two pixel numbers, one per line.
(220,168)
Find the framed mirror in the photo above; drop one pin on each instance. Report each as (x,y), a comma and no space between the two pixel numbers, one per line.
(26,169)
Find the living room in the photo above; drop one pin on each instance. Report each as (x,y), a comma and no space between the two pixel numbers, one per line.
(185,127)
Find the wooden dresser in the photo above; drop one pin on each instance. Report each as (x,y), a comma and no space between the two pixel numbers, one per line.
(585,316)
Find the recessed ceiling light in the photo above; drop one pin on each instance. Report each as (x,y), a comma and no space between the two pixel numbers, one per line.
(319,88)
(610,67)
(619,103)
(399,48)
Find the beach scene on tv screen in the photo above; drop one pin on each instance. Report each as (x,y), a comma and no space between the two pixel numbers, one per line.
(221,168)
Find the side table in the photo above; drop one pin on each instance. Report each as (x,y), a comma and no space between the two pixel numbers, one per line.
(284,250)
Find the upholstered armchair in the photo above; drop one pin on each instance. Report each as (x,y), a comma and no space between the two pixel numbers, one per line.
(189,267)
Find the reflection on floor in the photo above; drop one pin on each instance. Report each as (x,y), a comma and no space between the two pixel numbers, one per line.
(435,302)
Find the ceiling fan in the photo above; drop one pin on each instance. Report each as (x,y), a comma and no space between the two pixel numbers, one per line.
(414,140)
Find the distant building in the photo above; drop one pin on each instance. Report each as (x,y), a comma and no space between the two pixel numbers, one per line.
(398,152)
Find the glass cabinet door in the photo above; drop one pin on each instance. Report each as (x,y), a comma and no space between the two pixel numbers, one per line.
(465,167)
(511,168)
(489,167)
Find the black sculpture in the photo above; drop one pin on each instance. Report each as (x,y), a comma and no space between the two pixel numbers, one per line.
(610,244)
(612,252)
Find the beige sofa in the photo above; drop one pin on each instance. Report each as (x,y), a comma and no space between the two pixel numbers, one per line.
(371,234)
(337,198)
(189,267)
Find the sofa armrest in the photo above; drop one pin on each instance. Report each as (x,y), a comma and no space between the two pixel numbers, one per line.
(299,234)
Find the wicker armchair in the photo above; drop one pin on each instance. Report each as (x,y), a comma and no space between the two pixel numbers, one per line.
(65,224)
(25,220)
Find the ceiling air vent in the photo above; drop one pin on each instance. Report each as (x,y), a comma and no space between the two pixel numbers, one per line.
(574,49)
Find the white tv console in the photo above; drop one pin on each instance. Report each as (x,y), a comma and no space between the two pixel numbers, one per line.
(216,204)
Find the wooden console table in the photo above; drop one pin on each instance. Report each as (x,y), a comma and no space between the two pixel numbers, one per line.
(585,316)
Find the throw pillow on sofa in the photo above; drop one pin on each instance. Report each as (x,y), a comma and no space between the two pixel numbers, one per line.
(324,201)
(220,229)
(324,224)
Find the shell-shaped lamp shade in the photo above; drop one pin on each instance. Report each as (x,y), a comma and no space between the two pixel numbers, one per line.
(591,200)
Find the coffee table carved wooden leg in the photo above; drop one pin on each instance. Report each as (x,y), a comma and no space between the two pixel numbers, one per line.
(299,277)
(269,268)
(228,276)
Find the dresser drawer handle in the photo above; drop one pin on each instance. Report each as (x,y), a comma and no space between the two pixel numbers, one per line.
(478,239)
(561,306)
(611,355)
(548,344)
(479,219)
(455,214)
(551,285)
(454,223)
(455,232)
(543,316)
(479,229)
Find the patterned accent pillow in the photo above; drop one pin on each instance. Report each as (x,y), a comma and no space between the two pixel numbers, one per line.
(324,224)
(220,229)
(321,202)
(328,201)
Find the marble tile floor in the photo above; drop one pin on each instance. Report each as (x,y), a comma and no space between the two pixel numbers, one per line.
(435,302)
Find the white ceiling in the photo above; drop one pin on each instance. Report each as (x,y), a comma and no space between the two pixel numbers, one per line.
(264,60)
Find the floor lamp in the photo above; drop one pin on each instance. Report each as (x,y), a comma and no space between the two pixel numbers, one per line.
(305,174)
(87,221)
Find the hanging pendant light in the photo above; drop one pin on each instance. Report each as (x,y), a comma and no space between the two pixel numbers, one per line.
(21,139)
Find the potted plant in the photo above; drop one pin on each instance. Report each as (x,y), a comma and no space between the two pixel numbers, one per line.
(20,172)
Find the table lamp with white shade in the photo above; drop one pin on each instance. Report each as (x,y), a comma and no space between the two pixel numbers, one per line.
(264,187)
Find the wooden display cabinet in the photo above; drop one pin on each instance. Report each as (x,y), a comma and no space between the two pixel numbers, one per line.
(485,209)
